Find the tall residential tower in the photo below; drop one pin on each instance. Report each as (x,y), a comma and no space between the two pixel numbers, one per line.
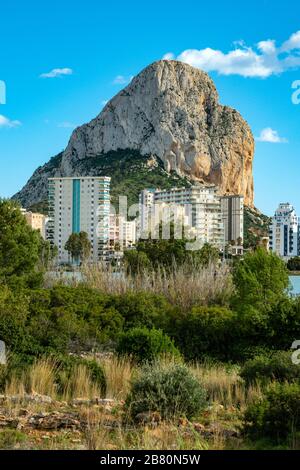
(79,204)
(283,232)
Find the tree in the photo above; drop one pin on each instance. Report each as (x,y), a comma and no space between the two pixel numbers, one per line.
(136,261)
(293,264)
(47,253)
(261,280)
(78,246)
(171,252)
(20,247)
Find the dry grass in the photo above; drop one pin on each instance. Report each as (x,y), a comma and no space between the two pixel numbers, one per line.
(118,373)
(224,386)
(184,286)
(41,378)
(80,384)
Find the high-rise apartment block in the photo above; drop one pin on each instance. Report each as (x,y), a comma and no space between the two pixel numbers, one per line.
(122,232)
(213,219)
(284,232)
(79,204)
(233,218)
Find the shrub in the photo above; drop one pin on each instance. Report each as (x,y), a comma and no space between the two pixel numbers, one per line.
(205,331)
(277,415)
(145,345)
(277,366)
(170,390)
(142,309)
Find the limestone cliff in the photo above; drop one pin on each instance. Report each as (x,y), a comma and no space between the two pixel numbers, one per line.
(170,110)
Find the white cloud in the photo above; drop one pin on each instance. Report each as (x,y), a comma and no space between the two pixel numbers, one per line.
(169,56)
(121,80)
(292,43)
(57,73)
(66,125)
(270,135)
(263,60)
(6,122)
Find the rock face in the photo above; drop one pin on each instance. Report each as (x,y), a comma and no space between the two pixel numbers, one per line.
(170,110)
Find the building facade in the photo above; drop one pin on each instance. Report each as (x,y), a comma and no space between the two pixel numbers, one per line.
(284,232)
(36,221)
(122,232)
(233,218)
(146,201)
(202,210)
(79,204)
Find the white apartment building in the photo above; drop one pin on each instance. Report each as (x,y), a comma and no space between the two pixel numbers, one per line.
(122,232)
(146,200)
(79,204)
(233,218)
(283,232)
(202,210)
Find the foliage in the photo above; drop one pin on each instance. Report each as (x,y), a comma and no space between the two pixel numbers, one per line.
(136,261)
(293,264)
(277,415)
(14,310)
(205,331)
(261,279)
(78,246)
(169,389)
(20,247)
(142,309)
(277,366)
(169,253)
(146,345)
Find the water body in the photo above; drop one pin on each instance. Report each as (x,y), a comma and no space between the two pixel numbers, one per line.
(295,281)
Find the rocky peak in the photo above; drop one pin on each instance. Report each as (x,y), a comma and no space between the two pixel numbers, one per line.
(171,110)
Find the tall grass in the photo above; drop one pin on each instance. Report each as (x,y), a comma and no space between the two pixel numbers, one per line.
(42,378)
(184,286)
(118,372)
(224,385)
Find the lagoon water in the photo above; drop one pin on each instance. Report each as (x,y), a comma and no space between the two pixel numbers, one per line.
(295,281)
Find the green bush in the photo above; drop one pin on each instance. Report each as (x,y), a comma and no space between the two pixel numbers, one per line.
(145,345)
(205,331)
(277,415)
(142,309)
(277,366)
(170,390)
(293,264)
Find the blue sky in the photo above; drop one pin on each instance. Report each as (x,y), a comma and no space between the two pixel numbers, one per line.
(85,50)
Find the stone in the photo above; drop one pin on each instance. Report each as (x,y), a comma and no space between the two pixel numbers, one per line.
(148,417)
(7,422)
(170,110)
(54,420)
